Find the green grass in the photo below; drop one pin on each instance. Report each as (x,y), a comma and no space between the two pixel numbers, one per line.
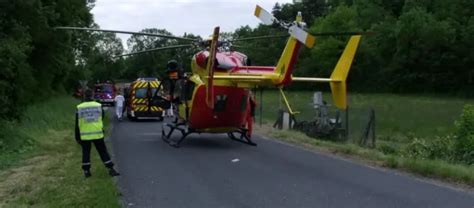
(397,116)
(46,171)
(399,119)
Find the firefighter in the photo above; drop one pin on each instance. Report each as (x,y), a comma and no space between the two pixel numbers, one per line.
(172,70)
(89,130)
(173,74)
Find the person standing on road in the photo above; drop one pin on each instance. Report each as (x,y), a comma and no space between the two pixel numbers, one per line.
(251,113)
(89,130)
(173,76)
(119,103)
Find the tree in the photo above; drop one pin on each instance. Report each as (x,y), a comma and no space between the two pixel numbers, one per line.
(328,49)
(152,63)
(35,60)
(421,58)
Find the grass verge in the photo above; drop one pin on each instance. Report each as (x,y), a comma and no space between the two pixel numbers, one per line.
(397,116)
(45,171)
(455,173)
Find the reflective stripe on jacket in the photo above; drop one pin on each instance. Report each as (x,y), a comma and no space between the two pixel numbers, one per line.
(90,120)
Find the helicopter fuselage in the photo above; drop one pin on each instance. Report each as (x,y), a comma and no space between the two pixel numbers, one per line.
(232,105)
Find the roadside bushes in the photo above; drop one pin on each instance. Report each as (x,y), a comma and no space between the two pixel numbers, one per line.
(439,147)
(464,147)
(458,147)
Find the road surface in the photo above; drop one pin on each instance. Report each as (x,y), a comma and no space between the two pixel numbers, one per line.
(214,171)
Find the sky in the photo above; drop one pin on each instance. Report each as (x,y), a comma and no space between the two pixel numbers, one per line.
(178,16)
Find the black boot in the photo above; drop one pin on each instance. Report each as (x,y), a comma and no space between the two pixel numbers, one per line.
(113,172)
(87,173)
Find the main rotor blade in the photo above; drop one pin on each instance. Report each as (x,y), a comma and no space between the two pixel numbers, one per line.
(261,37)
(341,33)
(156,49)
(125,32)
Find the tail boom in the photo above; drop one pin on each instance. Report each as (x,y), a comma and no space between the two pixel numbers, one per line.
(338,78)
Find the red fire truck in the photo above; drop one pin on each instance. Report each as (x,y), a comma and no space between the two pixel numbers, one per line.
(105,92)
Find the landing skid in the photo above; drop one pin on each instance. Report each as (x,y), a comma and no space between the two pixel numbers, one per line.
(185,131)
(175,126)
(244,138)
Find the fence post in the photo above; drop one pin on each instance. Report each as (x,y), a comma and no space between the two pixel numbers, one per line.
(347,123)
(279,122)
(261,106)
(369,130)
(373,127)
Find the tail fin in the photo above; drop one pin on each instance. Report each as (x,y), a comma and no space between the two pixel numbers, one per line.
(285,65)
(287,61)
(298,36)
(339,75)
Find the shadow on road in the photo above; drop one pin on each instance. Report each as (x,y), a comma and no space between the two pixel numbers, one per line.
(210,142)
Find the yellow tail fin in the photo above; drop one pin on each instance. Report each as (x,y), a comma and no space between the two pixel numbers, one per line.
(339,75)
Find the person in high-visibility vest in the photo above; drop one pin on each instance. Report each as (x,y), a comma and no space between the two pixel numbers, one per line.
(89,130)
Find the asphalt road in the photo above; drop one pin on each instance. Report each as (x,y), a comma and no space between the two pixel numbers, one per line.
(214,171)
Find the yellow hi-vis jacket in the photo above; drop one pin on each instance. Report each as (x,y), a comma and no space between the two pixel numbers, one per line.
(90,120)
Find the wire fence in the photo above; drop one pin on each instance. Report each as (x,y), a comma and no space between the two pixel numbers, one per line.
(324,121)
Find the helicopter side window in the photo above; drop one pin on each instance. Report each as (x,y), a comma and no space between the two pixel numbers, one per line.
(248,62)
(224,65)
(220,103)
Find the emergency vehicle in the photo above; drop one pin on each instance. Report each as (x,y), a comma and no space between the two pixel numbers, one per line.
(105,93)
(139,99)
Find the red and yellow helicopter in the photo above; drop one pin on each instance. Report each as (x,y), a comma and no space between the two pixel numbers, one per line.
(216,97)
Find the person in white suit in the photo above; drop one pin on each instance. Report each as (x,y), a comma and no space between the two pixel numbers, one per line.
(119,106)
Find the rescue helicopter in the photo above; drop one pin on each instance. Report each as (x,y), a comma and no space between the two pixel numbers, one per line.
(216,97)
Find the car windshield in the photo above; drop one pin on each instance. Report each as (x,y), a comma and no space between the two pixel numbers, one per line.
(141,92)
(104,88)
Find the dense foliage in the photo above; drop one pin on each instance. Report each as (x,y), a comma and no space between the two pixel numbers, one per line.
(417,46)
(37,61)
(464,146)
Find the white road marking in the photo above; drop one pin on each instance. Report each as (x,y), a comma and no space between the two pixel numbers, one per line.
(150,134)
